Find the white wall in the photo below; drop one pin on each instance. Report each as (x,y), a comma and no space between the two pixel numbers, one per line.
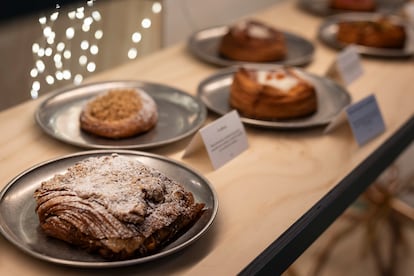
(183,17)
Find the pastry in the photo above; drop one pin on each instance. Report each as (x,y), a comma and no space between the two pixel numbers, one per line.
(272,94)
(115,206)
(380,33)
(253,41)
(354,5)
(119,113)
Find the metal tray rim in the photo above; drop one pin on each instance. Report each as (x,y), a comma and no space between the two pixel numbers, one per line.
(9,236)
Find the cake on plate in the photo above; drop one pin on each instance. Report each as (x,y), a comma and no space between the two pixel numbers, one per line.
(272,94)
(115,206)
(379,33)
(354,5)
(119,113)
(253,41)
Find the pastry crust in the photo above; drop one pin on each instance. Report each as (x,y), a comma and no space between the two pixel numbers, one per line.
(258,100)
(119,113)
(253,41)
(115,206)
(354,5)
(381,33)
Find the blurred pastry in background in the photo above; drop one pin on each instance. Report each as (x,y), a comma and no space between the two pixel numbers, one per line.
(253,41)
(272,94)
(354,5)
(380,33)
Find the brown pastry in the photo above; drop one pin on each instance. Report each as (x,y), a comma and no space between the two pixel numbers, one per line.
(119,113)
(354,5)
(253,41)
(381,33)
(269,95)
(115,206)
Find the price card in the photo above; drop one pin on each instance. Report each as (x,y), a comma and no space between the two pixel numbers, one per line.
(365,119)
(224,139)
(408,11)
(346,67)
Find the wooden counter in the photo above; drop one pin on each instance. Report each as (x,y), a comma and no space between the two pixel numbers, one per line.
(262,192)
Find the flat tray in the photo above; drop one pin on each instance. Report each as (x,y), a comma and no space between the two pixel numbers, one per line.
(204,45)
(321,7)
(179,115)
(19,222)
(332,98)
(328,29)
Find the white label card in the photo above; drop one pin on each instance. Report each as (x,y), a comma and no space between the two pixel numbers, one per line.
(365,119)
(224,139)
(347,66)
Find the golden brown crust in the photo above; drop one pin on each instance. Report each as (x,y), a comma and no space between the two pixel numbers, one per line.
(381,33)
(119,113)
(354,5)
(253,41)
(260,101)
(115,206)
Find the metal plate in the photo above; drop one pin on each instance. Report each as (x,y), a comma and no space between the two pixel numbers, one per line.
(179,115)
(329,28)
(19,222)
(332,98)
(321,7)
(204,45)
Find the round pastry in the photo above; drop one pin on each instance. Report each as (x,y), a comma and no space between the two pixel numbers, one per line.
(354,5)
(380,33)
(119,113)
(253,41)
(270,95)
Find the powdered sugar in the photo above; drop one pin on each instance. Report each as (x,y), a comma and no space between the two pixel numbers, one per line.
(279,79)
(148,107)
(124,188)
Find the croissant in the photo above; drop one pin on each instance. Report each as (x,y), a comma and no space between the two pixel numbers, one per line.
(115,206)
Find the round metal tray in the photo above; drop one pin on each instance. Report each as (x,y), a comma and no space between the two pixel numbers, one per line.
(204,45)
(332,98)
(179,115)
(20,225)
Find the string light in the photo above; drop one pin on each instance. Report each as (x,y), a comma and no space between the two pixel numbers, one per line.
(54,52)
(146,23)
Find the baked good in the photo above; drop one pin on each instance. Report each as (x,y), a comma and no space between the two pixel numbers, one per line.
(116,206)
(253,41)
(354,5)
(119,113)
(272,94)
(380,33)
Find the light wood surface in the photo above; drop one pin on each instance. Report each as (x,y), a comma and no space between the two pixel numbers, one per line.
(261,192)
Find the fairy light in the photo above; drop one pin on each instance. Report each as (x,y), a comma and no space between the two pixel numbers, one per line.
(34,73)
(132,53)
(35,48)
(54,16)
(91,67)
(55,53)
(70,33)
(136,37)
(50,80)
(99,34)
(156,7)
(83,60)
(146,23)
(94,49)
(60,46)
(77,79)
(42,20)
